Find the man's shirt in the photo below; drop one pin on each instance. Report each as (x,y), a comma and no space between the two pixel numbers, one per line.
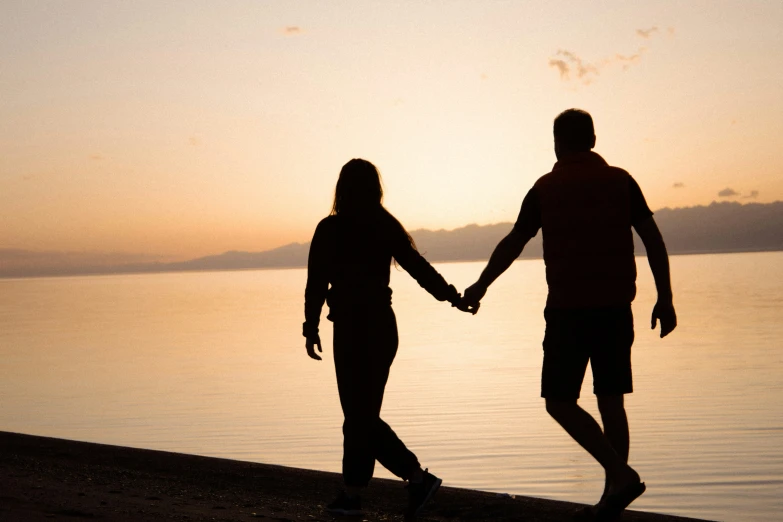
(586,209)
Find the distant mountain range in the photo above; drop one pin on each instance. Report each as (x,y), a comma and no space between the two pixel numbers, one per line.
(718,227)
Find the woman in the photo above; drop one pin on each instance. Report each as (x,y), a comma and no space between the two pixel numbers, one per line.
(352,250)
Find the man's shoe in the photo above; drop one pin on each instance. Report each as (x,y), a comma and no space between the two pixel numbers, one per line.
(345,505)
(615,503)
(419,494)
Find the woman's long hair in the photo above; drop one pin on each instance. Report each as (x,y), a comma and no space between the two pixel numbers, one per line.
(359,192)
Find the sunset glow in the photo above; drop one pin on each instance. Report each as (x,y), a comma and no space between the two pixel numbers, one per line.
(178,129)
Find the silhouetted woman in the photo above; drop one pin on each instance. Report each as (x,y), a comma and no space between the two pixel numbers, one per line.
(348,267)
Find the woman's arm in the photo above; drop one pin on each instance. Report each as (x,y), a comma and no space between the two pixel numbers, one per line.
(419,268)
(318,269)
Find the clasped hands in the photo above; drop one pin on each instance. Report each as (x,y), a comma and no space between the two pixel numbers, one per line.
(471,300)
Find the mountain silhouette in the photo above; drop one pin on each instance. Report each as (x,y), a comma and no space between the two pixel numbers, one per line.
(715,228)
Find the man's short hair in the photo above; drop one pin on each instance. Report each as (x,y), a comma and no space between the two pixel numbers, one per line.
(574,130)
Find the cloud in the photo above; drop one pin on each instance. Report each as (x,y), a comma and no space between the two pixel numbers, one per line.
(647,33)
(96,157)
(570,64)
(654,30)
(194,141)
(728,193)
(292,30)
(561,66)
(679,184)
(753,194)
(572,67)
(630,60)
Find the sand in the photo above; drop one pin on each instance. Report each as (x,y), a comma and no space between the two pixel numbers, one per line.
(53,479)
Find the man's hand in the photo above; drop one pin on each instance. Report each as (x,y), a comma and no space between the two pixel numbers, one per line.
(473,295)
(311,343)
(664,310)
(464,307)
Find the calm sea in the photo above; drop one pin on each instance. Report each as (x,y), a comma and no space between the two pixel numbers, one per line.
(213,363)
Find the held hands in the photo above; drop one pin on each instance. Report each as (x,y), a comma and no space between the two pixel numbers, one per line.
(310,344)
(473,294)
(470,301)
(462,307)
(664,311)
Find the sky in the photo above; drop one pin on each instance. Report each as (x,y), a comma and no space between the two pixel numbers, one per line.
(186,128)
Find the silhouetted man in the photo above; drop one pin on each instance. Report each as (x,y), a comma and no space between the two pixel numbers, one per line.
(586,210)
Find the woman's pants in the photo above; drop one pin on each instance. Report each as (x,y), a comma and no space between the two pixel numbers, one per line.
(365,343)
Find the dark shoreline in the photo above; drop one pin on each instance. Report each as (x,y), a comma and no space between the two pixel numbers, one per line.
(44,479)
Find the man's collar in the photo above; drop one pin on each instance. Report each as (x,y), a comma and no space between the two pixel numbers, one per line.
(587,157)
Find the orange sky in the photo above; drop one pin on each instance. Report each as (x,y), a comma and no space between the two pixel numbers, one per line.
(189,128)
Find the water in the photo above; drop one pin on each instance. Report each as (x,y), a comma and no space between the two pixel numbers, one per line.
(213,363)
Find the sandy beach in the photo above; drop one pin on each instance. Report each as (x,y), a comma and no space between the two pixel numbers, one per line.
(44,479)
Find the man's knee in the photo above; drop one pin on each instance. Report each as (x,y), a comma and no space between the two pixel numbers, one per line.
(558,407)
(610,404)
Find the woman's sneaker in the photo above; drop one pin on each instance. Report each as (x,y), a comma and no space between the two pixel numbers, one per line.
(419,494)
(345,505)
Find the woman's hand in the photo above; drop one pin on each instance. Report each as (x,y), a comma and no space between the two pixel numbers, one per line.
(462,306)
(310,344)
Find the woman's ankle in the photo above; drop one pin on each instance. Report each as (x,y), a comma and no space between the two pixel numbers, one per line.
(354,491)
(417,476)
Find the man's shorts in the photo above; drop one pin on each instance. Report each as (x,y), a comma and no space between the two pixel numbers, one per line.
(573,337)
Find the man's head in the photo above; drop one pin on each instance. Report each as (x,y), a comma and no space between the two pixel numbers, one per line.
(574,132)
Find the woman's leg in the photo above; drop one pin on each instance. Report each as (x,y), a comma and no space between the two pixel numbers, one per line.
(389,450)
(351,365)
(364,348)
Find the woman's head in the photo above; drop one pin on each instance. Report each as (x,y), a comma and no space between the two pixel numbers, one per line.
(358,188)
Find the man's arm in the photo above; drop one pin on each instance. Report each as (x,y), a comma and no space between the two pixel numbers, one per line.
(527,225)
(659,264)
(505,253)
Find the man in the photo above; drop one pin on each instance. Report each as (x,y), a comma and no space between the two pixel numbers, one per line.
(586,210)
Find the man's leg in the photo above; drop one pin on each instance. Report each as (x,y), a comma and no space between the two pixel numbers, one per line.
(615,423)
(583,428)
(610,359)
(568,346)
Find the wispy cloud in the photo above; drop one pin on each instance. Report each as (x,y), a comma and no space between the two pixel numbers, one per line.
(679,184)
(96,157)
(728,193)
(654,31)
(292,30)
(570,65)
(561,66)
(753,194)
(647,33)
(573,67)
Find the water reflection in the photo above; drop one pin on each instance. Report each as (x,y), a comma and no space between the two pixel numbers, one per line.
(214,364)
